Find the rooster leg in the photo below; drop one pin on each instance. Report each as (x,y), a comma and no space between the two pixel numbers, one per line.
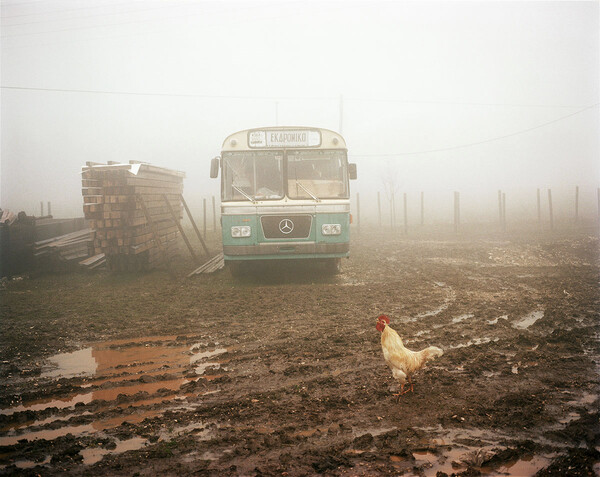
(411,384)
(402,391)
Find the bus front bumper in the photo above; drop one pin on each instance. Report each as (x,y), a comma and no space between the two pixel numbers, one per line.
(286,250)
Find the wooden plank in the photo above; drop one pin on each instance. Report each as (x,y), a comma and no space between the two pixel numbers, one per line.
(194,225)
(178,223)
(215,263)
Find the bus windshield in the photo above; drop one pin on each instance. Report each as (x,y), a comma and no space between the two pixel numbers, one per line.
(258,175)
(317,174)
(253,175)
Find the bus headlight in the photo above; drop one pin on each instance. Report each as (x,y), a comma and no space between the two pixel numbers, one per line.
(331,229)
(241,231)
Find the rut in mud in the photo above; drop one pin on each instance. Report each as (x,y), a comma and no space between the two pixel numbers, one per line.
(282,372)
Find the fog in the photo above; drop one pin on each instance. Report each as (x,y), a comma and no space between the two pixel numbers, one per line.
(473,97)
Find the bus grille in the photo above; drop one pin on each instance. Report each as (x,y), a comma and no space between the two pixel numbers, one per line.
(278,226)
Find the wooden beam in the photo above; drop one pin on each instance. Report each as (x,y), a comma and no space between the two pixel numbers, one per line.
(176,220)
(194,225)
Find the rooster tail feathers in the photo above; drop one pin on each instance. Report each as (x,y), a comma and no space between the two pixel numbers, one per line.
(432,352)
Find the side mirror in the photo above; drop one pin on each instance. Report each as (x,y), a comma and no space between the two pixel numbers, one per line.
(214,167)
(352,171)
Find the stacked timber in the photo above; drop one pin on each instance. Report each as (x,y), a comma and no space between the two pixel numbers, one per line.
(68,248)
(134,209)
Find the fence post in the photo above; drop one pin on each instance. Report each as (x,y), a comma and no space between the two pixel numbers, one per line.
(539,208)
(393,211)
(204,207)
(358,212)
(405,215)
(504,211)
(41,208)
(49,208)
(576,204)
(550,209)
(500,207)
(379,207)
(456,211)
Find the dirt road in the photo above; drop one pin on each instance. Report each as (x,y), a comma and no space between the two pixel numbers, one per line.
(281,373)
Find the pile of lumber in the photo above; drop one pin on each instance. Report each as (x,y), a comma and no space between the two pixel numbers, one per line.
(68,248)
(135,209)
(7,217)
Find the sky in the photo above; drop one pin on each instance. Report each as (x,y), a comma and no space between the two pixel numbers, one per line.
(430,96)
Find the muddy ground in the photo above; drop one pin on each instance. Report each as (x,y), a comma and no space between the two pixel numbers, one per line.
(281,372)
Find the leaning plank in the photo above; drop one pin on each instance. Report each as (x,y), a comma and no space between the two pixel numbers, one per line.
(93,261)
(215,263)
(181,231)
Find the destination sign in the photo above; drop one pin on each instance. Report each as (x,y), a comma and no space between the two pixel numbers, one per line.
(284,138)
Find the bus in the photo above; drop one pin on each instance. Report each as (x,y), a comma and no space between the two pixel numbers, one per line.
(285,194)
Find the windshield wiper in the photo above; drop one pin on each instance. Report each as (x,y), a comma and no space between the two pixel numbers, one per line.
(308,192)
(251,199)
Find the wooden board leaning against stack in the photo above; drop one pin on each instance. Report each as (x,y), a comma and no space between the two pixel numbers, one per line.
(126,205)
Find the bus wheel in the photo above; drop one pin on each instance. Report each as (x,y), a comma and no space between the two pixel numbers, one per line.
(333,266)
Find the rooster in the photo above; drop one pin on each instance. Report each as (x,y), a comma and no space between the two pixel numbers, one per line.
(402,361)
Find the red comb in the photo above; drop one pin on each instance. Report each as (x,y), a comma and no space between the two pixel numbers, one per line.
(384,318)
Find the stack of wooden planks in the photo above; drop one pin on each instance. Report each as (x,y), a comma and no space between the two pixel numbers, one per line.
(66,248)
(134,209)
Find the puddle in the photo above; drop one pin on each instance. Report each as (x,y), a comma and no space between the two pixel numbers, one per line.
(18,425)
(570,417)
(126,374)
(473,342)
(109,394)
(30,464)
(464,317)
(525,466)
(495,320)
(68,365)
(201,368)
(434,312)
(95,454)
(319,431)
(586,399)
(449,299)
(134,363)
(432,464)
(373,432)
(472,447)
(47,434)
(528,320)
(490,374)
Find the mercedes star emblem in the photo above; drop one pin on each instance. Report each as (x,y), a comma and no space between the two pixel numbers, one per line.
(286,226)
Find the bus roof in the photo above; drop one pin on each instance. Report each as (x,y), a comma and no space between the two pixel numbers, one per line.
(284,137)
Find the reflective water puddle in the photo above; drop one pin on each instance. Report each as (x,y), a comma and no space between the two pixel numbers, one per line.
(95,454)
(123,374)
(528,320)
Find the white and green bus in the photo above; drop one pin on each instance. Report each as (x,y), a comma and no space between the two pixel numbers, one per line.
(285,194)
